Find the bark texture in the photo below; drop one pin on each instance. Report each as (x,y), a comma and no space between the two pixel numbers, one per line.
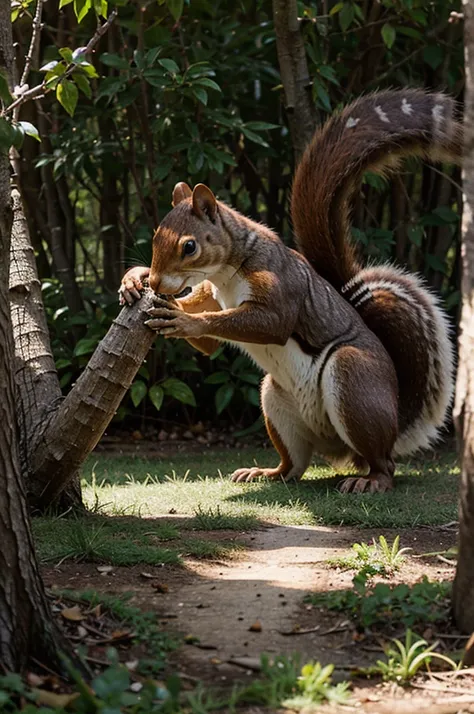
(294,74)
(25,625)
(37,384)
(463,592)
(76,426)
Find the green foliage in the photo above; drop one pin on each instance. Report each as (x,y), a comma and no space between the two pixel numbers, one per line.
(405,659)
(193,92)
(383,605)
(373,559)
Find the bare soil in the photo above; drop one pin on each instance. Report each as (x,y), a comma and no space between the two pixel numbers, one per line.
(233,611)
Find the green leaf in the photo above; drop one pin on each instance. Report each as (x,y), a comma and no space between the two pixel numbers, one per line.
(170,65)
(66,54)
(5,95)
(206,82)
(85,347)
(156,395)
(30,130)
(176,8)
(200,94)
(63,3)
(138,392)
(224,396)
(388,34)
(110,86)
(415,234)
(176,388)
(261,125)
(112,60)
(195,158)
(62,362)
(435,263)
(83,84)
(328,73)
(253,137)
(433,55)
(346,16)
(89,69)
(7,136)
(81,8)
(151,55)
(67,95)
(322,95)
(217,378)
(336,8)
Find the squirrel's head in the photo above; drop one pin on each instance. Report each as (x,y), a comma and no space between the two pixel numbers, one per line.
(190,244)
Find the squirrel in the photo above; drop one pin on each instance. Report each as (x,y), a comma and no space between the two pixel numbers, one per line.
(358,361)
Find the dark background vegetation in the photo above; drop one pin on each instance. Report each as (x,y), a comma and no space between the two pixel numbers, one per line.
(190,91)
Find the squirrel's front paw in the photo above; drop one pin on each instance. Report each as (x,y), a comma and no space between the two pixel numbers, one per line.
(170,320)
(132,285)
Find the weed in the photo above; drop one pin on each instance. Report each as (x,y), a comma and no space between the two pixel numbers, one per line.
(213,519)
(404,660)
(373,559)
(385,605)
(316,687)
(198,548)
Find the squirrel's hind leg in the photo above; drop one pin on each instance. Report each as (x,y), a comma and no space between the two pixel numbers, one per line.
(360,396)
(289,434)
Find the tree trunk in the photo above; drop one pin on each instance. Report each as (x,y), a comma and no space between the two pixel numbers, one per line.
(37,384)
(26,628)
(294,74)
(463,592)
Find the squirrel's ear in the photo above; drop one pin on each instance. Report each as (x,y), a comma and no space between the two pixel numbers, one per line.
(204,202)
(180,192)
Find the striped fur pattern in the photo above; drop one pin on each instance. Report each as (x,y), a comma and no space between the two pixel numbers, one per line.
(375,133)
(424,360)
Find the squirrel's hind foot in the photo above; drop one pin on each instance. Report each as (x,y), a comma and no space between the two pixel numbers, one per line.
(377,483)
(255,472)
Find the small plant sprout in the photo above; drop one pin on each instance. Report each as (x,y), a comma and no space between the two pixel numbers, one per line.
(315,687)
(405,660)
(377,558)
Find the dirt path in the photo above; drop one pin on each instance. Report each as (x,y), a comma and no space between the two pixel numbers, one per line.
(216,603)
(267,588)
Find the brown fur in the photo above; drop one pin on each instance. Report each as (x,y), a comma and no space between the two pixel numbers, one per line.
(332,167)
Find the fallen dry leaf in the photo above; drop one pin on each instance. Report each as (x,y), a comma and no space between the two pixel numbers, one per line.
(34,680)
(256,627)
(147,576)
(51,699)
(132,665)
(73,613)
(160,587)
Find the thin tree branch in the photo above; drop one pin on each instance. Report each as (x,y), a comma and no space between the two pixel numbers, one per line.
(34,38)
(43,88)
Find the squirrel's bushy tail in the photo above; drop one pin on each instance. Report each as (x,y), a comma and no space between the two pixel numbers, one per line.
(375,133)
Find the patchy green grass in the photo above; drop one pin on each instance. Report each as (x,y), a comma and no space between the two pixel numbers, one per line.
(121,541)
(198,487)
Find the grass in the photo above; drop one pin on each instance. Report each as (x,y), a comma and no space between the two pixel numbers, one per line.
(198,487)
(121,541)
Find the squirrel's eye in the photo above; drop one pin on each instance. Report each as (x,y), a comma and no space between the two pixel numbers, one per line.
(189,248)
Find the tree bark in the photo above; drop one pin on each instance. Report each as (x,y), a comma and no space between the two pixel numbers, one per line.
(26,628)
(463,591)
(79,421)
(294,74)
(37,384)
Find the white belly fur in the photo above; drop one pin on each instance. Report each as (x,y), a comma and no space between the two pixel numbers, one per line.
(294,370)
